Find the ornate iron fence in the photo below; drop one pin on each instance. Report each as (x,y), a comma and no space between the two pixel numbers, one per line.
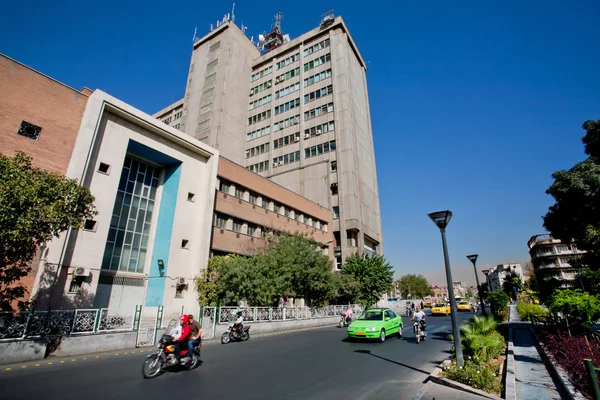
(21,325)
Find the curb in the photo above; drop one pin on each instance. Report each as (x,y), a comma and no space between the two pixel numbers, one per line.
(556,371)
(510,384)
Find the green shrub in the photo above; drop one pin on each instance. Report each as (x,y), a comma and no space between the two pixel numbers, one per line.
(477,374)
(575,303)
(498,301)
(481,340)
(528,311)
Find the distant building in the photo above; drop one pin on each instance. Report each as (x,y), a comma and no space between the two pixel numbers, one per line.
(552,259)
(496,277)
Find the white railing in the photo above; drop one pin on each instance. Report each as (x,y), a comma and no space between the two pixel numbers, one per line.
(274,314)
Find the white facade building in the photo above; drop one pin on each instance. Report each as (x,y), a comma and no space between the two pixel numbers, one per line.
(154,189)
(496,277)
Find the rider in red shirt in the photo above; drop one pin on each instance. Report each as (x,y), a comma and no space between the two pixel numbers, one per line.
(186,329)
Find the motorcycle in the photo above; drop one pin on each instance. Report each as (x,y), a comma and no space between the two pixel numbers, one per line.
(164,358)
(409,312)
(419,330)
(233,334)
(344,321)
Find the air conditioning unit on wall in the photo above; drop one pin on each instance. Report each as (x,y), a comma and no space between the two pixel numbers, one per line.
(81,271)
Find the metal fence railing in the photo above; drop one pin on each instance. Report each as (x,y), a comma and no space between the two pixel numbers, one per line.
(273,314)
(21,325)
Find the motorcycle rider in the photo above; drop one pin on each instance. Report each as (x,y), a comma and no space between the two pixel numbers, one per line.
(180,341)
(239,323)
(420,317)
(348,315)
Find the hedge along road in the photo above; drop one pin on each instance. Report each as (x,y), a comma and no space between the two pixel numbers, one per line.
(312,364)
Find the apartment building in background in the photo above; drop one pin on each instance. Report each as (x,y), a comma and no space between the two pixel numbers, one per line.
(496,277)
(249,208)
(552,259)
(295,111)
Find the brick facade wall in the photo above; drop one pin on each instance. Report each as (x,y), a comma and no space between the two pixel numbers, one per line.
(27,95)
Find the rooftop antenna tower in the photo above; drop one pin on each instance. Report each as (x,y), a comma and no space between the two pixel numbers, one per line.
(233,13)
(274,38)
(327,18)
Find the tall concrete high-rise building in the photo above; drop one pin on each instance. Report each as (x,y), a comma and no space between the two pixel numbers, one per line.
(295,111)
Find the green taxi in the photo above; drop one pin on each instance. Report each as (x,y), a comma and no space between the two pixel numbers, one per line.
(376,323)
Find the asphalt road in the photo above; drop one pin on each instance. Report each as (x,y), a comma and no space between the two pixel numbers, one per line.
(314,364)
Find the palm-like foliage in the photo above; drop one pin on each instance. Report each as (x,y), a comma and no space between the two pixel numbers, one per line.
(481,339)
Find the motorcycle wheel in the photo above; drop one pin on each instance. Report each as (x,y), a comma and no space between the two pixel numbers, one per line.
(196,360)
(341,324)
(246,336)
(418,338)
(151,368)
(225,338)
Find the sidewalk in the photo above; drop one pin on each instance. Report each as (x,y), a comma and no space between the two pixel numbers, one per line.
(533,381)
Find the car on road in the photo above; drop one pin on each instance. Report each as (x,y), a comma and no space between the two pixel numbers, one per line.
(463,306)
(376,323)
(440,309)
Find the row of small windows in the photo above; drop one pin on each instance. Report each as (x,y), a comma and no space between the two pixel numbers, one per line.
(260,102)
(214,47)
(317,78)
(317,94)
(319,149)
(258,133)
(177,115)
(286,159)
(259,117)
(268,204)
(286,140)
(260,167)
(319,46)
(257,150)
(211,65)
(287,61)
(206,109)
(319,129)
(263,86)
(314,113)
(210,79)
(287,106)
(287,90)
(167,120)
(317,61)
(290,74)
(286,123)
(262,73)
(223,221)
(207,94)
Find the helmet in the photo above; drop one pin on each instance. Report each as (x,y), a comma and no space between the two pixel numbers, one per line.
(239,312)
(184,318)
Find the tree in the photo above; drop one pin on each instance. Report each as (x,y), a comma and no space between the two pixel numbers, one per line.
(291,264)
(498,301)
(372,272)
(415,285)
(576,212)
(346,290)
(35,207)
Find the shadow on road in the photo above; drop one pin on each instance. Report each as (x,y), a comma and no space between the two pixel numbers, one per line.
(439,336)
(392,361)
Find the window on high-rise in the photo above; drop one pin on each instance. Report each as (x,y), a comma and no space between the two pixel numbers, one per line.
(336,212)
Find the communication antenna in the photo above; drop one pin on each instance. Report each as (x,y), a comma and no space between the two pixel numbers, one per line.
(195,37)
(233,13)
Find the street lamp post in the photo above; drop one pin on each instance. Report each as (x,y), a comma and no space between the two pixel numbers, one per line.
(473,259)
(441,220)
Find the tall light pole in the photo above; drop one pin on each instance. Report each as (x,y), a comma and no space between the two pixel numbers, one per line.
(473,259)
(441,220)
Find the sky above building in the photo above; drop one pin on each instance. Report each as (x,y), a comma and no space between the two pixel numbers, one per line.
(474,104)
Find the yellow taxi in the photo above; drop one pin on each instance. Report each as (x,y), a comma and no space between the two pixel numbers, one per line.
(463,306)
(427,302)
(440,309)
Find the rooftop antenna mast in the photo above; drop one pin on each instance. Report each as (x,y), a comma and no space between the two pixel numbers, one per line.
(233,13)
(274,38)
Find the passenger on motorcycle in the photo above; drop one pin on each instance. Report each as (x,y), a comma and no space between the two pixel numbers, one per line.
(420,317)
(195,337)
(348,315)
(180,341)
(239,323)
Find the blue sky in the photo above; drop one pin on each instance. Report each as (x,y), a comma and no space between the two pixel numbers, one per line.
(473,103)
